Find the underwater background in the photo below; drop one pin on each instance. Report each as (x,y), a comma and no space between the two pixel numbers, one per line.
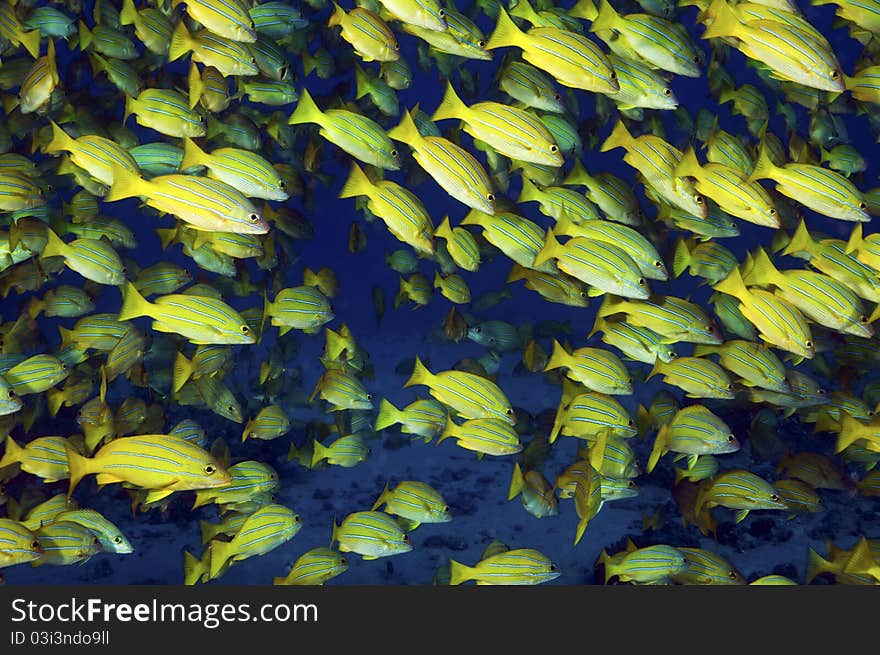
(475,490)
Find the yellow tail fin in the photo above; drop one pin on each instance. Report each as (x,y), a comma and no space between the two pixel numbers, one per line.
(451,106)
(133,303)
(506,32)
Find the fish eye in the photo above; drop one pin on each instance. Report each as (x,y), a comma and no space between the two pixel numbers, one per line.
(282,185)
(394,153)
(343,561)
(490,197)
(253,25)
(253,60)
(553,567)
(556,96)
(396,47)
(729,387)
(441,13)
(835,74)
(63,366)
(406,538)
(630,423)
(210,469)
(863,319)
(613,75)
(254,217)
(641,281)
(297,519)
(117,540)
(245,329)
(730,438)
(230,409)
(658,264)
(774,497)
(481,44)
(631,484)
(35,545)
(553,149)
(445,508)
(629,381)
(282,71)
(478,329)
(698,199)
(673,355)
(820,391)
(11,394)
(509,412)
(863,205)
(772,212)
(369,396)
(696,59)
(667,91)
(732,575)
(808,343)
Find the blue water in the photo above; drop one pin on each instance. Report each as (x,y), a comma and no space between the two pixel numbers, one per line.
(476,491)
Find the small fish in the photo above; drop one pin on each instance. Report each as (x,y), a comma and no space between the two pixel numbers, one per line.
(64,543)
(314,567)
(415,501)
(371,535)
(693,431)
(521,566)
(18,545)
(740,490)
(264,530)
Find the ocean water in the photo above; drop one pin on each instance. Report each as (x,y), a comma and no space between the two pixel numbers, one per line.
(476,490)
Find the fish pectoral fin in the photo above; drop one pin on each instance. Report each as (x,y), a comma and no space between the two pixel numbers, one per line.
(740,515)
(369,557)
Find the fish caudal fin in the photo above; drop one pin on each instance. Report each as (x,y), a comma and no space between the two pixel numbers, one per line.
(549,250)
(660,448)
(517,483)
(506,33)
(558,358)
(181,42)
(357,184)
(12,454)
(306,111)
(459,572)
(192,156)
(388,415)
(133,303)
(451,106)
(606,18)
(420,375)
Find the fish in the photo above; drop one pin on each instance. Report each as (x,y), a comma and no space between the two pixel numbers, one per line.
(314,567)
(415,501)
(18,545)
(520,566)
(267,528)
(740,490)
(371,535)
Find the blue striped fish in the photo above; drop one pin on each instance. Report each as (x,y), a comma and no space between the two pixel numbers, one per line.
(264,530)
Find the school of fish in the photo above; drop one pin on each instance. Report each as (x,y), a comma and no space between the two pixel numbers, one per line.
(205,121)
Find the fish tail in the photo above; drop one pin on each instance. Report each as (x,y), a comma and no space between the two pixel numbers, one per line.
(221,551)
(438,281)
(357,184)
(31,42)
(388,415)
(689,166)
(597,450)
(606,18)
(448,430)
(643,421)
(406,131)
(54,400)
(517,272)
(801,241)
(310,279)
(854,243)
(183,370)
(679,475)
(660,447)
(850,432)
(337,16)
(12,454)
(382,497)
(517,483)
(816,566)
(733,285)
(209,531)
(523,9)
(334,533)
(128,14)
(192,569)
(764,166)
(581,528)
(585,9)
(578,174)
(195,83)
(85,35)
(558,358)
(166,236)
(506,33)
(656,370)
(763,269)
(192,156)
(558,420)
(550,248)
(459,572)
(133,303)
(529,191)
(336,344)
(681,259)
(724,21)
(181,42)
(451,106)
(362,83)
(78,466)
(402,294)
(620,137)
(126,184)
(610,305)
(319,452)
(60,140)
(67,336)
(55,247)
(420,375)
(444,230)
(306,111)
